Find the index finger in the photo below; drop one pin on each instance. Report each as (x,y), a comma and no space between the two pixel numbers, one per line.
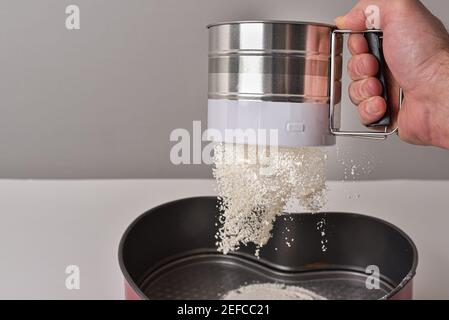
(357,44)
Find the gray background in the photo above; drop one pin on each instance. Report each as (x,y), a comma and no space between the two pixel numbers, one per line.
(100,102)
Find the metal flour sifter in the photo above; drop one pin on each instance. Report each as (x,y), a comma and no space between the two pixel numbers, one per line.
(283,76)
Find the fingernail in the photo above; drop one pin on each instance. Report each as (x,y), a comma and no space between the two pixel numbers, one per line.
(339,21)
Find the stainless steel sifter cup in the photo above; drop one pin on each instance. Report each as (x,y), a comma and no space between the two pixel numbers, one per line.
(283,76)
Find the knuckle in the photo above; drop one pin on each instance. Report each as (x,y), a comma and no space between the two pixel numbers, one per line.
(372,87)
(360,90)
(354,92)
(360,65)
(402,4)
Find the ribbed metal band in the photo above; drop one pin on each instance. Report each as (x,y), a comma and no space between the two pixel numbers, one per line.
(271,61)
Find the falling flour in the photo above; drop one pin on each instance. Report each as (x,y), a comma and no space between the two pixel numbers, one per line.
(254,185)
(271,291)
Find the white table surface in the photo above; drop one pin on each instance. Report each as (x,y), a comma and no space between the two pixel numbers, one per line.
(47,225)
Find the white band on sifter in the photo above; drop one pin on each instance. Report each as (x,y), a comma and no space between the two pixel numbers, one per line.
(296,124)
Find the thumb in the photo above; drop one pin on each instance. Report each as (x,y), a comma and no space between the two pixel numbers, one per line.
(371,12)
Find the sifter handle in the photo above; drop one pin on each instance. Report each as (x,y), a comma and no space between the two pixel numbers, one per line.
(375,48)
(374,38)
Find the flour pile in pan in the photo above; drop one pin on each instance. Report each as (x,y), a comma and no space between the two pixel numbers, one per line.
(271,291)
(254,185)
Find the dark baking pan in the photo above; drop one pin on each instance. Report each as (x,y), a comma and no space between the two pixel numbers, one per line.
(169,252)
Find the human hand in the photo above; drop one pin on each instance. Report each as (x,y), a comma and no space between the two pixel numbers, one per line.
(416,50)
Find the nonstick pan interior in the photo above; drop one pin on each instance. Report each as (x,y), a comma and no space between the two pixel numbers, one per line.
(169,253)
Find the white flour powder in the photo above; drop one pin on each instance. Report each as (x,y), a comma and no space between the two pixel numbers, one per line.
(271,291)
(254,189)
